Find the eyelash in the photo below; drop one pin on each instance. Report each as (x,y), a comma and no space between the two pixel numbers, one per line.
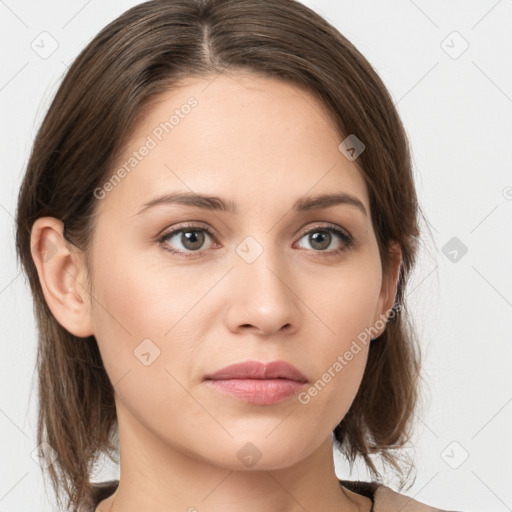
(346,239)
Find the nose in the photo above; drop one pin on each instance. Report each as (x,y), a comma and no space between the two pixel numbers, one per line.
(262,298)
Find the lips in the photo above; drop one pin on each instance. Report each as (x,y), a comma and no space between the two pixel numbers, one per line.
(257,370)
(258,383)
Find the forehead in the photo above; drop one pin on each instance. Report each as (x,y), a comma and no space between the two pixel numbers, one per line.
(256,139)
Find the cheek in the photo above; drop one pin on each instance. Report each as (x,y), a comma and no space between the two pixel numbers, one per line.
(127,308)
(347,302)
(145,310)
(346,309)
(133,310)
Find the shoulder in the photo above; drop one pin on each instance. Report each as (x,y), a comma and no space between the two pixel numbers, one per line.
(386,499)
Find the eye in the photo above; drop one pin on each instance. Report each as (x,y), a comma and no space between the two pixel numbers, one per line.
(322,238)
(186,240)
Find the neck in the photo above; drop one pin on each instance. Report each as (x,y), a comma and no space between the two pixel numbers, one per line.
(155,475)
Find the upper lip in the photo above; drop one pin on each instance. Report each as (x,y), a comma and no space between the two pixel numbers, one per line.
(258,370)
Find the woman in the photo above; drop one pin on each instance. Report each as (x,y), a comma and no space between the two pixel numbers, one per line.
(218,220)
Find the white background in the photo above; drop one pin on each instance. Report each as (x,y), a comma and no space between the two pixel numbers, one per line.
(458,115)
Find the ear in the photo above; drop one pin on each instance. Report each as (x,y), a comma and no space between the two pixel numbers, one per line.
(60,274)
(389,286)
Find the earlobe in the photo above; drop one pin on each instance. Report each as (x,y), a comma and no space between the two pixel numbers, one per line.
(59,272)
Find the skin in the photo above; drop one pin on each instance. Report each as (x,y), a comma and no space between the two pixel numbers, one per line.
(263,144)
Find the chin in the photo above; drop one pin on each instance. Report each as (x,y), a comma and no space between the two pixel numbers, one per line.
(258,453)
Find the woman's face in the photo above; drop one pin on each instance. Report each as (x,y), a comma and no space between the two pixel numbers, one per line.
(261,278)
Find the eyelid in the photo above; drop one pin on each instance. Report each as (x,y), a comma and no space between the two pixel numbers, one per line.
(191,224)
(324,225)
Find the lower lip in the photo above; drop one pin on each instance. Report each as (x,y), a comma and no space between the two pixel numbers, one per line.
(258,391)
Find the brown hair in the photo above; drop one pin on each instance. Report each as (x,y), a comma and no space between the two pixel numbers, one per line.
(144,52)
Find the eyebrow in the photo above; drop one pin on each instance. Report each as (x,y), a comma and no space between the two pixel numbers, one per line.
(215,203)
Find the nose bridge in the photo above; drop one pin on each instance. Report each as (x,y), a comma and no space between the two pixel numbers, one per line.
(263,289)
